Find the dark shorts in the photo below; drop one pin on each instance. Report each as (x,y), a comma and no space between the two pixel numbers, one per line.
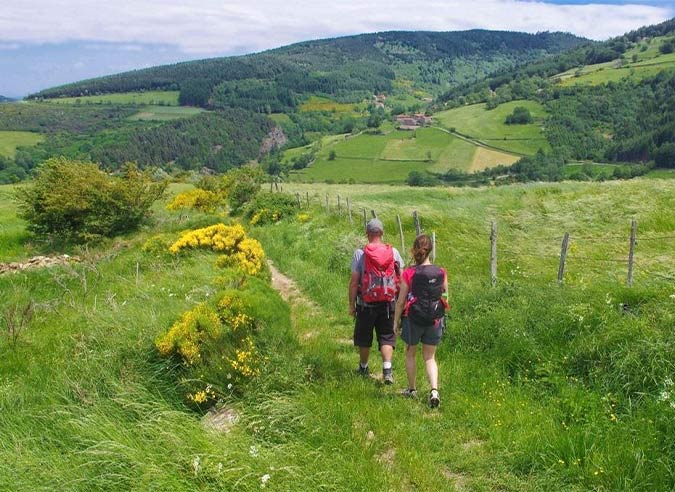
(380,317)
(429,335)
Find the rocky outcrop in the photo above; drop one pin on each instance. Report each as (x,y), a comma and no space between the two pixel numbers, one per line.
(274,140)
(38,262)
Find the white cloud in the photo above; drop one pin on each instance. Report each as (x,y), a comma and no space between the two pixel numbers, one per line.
(215,26)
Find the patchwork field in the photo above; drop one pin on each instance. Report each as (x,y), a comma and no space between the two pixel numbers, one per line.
(164,113)
(489,127)
(390,157)
(168,98)
(10,140)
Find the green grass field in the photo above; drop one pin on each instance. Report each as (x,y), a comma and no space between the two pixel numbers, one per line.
(164,113)
(646,64)
(168,98)
(390,157)
(544,388)
(318,103)
(10,140)
(488,127)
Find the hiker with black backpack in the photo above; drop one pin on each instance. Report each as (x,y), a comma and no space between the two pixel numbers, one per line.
(420,314)
(373,288)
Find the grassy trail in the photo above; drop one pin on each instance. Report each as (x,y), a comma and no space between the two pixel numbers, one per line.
(535,379)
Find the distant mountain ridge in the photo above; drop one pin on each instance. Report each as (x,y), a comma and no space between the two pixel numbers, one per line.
(346,68)
(5,99)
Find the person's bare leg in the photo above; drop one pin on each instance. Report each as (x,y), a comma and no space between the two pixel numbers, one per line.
(428,352)
(387,353)
(364,352)
(410,364)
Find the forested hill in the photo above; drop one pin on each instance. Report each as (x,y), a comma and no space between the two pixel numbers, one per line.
(347,68)
(5,99)
(609,102)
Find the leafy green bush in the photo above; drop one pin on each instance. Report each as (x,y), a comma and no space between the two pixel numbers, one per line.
(241,185)
(520,116)
(266,208)
(75,200)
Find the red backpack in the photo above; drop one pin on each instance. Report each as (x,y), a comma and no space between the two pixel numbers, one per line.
(380,278)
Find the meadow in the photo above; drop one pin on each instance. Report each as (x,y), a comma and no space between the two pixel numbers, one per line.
(389,157)
(543,387)
(318,103)
(11,140)
(489,127)
(164,113)
(166,98)
(639,62)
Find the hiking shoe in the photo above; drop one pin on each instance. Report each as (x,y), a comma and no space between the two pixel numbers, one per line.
(362,371)
(388,376)
(434,399)
(409,393)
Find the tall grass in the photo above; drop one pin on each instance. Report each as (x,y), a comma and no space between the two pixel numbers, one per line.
(543,388)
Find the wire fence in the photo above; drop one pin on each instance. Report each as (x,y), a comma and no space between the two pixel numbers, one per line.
(612,254)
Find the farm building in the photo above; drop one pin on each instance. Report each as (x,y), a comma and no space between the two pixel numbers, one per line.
(412,121)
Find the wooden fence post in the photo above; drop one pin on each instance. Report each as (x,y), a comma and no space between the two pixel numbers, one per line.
(297,198)
(271,184)
(631,251)
(433,247)
(339,204)
(307,197)
(349,212)
(400,232)
(418,228)
(372,212)
(327,204)
(563,256)
(493,254)
(365,220)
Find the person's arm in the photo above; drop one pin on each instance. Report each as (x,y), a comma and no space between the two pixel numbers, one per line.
(353,290)
(400,305)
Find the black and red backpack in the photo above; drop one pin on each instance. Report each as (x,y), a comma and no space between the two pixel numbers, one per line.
(380,278)
(427,303)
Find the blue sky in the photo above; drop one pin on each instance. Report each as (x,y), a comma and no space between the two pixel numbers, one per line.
(49,42)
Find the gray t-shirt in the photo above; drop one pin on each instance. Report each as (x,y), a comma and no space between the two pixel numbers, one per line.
(358,261)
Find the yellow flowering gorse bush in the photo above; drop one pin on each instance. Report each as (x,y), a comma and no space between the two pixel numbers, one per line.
(186,335)
(239,251)
(246,360)
(198,199)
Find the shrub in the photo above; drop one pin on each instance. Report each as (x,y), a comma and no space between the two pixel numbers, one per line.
(267,208)
(197,199)
(241,186)
(225,343)
(239,251)
(519,116)
(77,201)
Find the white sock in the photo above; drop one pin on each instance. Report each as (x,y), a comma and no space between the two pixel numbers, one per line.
(386,364)
(363,365)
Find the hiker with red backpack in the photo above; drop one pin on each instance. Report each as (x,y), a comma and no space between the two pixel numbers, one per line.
(420,314)
(373,288)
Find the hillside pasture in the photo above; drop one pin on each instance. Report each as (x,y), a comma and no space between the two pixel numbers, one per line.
(489,127)
(648,62)
(165,98)
(389,157)
(164,113)
(487,158)
(11,140)
(319,103)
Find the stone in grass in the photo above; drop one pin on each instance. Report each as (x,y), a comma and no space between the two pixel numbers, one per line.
(220,419)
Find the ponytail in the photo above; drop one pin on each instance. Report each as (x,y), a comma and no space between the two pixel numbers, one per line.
(421,248)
